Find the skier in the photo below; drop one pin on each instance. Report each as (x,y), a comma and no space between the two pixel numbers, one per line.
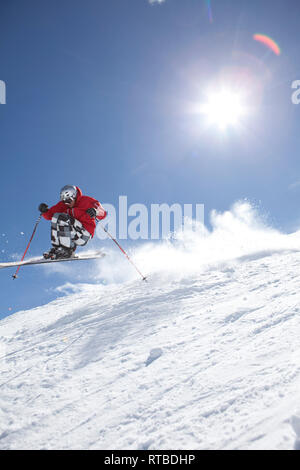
(72,221)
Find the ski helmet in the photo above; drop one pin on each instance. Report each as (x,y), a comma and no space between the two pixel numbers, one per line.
(68,193)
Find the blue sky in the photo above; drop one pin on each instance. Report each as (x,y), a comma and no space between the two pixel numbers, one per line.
(99,94)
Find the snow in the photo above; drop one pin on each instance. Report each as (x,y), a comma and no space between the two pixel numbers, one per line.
(205,355)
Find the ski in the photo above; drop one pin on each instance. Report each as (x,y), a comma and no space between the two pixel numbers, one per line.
(32,261)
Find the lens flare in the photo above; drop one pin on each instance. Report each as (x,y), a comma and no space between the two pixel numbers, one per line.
(267,41)
(209,10)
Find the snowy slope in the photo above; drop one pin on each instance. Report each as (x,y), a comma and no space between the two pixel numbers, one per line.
(203,356)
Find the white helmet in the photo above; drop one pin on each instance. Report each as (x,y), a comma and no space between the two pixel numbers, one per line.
(68,193)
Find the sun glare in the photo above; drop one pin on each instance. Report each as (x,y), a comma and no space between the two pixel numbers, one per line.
(224,109)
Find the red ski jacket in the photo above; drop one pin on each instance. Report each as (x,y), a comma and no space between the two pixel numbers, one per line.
(79,211)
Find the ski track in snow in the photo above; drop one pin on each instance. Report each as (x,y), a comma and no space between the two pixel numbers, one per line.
(210,361)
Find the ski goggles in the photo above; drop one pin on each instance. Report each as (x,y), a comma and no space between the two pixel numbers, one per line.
(68,200)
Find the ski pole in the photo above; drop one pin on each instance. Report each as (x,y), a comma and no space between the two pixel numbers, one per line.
(34,230)
(123,251)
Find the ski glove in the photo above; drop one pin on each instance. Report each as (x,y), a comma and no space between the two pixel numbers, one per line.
(92,212)
(43,208)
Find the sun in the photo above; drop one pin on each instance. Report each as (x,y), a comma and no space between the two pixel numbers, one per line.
(224,109)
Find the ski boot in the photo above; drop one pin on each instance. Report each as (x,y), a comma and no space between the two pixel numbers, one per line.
(62,252)
(50,254)
(59,252)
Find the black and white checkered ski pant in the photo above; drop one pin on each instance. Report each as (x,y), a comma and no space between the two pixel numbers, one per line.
(67,231)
